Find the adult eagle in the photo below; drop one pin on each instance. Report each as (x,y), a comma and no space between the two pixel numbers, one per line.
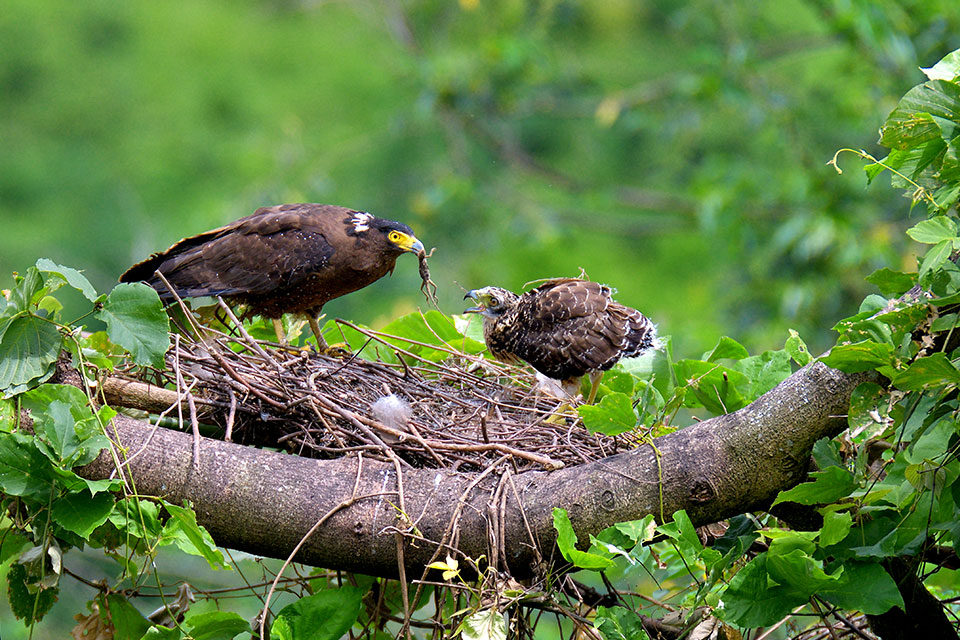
(291,258)
(565,328)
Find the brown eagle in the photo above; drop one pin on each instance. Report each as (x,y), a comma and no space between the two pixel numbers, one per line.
(291,258)
(565,328)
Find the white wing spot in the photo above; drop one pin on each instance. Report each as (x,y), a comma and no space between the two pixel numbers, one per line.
(361,221)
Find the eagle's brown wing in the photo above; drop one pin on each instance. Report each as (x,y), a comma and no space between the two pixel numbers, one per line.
(273,249)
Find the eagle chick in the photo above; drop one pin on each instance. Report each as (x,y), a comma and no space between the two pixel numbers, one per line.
(565,328)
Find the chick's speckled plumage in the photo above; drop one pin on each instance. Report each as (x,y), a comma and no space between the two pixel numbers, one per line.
(564,328)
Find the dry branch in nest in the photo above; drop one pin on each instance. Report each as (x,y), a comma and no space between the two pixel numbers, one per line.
(465,412)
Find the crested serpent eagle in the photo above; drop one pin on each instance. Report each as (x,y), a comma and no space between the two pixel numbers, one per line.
(291,258)
(565,328)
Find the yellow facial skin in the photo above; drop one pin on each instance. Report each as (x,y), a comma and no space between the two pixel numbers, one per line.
(405,241)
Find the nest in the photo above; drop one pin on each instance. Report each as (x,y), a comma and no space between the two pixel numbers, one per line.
(463,412)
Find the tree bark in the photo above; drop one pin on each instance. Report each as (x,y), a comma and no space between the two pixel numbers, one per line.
(264,502)
(924,617)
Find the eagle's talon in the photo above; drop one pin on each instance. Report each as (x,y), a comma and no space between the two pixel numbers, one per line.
(337,350)
(561,414)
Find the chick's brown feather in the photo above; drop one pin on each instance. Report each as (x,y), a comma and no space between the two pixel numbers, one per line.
(566,328)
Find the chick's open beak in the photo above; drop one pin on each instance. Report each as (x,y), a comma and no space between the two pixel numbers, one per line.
(473,294)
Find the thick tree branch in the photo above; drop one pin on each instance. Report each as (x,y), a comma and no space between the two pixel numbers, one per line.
(264,502)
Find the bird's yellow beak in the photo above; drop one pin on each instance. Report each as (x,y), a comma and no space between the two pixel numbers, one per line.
(406,242)
(474,294)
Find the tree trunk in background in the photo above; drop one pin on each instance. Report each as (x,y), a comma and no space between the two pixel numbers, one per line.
(925,616)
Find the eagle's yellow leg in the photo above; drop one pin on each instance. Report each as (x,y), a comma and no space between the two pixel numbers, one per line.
(338,350)
(315,327)
(281,334)
(594,385)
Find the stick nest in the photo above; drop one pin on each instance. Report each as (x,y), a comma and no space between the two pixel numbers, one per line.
(465,412)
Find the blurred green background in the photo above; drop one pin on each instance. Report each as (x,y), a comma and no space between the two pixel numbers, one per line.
(675,150)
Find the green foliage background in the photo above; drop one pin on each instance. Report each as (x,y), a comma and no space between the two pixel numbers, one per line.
(675,150)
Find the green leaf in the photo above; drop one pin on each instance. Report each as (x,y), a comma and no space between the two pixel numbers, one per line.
(933,230)
(616,381)
(947,69)
(72,482)
(136,518)
(27,606)
(945,323)
(726,348)
(933,444)
(28,349)
(430,328)
(619,623)
(190,537)
(326,615)
(81,512)
(567,542)
(903,317)
(623,538)
(765,371)
(923,117)
(12,545)
(737,539)
(836,526)
(859,356)
(8,416)
(469,325)
(21,296)
(935,257)
(216,625)
(59,432)
(682,531)
(68,433)
(892,283)
(638,530)
(795,569)
(717,388)
(162,633)
(866,587)
(71,276)
(613,415)
(136,321)
(751,601)
(933,370)
(796,348)
(486,624)
(24,471)
(826,453)
(828,486)
(868,404)
(128,622)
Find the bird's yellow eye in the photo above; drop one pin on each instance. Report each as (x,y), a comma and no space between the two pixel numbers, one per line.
(395,236)
(494,302)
